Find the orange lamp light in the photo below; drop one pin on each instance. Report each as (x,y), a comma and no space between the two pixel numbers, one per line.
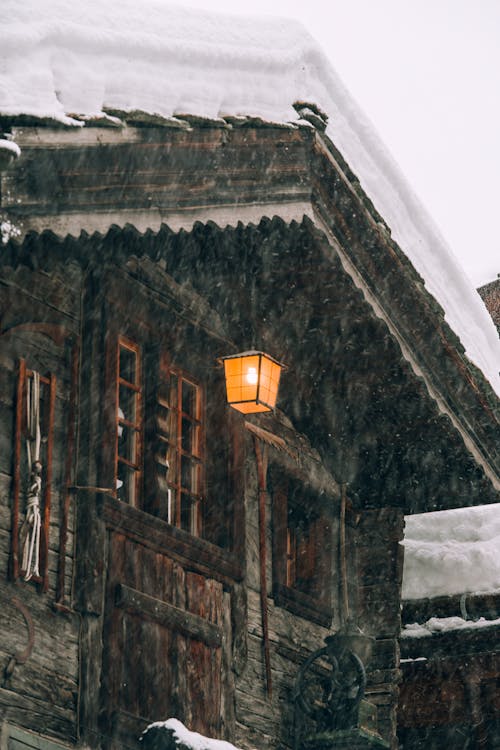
(252,380)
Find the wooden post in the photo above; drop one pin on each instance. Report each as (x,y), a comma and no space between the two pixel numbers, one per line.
(21,379)
(68,472)
(261,456)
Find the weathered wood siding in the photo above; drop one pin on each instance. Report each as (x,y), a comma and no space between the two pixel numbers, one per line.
(168,627)
(450,690)
(39,323)
(157,660)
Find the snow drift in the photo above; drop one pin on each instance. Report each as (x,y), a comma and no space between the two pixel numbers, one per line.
(452,552)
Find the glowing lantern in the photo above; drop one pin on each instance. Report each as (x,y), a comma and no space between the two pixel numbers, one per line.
(252,380)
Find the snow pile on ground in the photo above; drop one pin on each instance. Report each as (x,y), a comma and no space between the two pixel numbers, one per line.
(186,739)
(452,552)
(59,59)
(445,625)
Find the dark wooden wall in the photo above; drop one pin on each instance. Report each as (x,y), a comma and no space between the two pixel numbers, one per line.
(38,630)
(155,625)
(450,691)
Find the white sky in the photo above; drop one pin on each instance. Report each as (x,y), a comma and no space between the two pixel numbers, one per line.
(427,73)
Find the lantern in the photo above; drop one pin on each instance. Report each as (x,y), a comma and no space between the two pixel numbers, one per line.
(252,380)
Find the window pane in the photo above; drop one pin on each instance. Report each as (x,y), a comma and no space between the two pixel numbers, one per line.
(189,437)
(128,364)
(188,519)
(189,393)
(128,404)
(188,474)
(126,484)
(127,443)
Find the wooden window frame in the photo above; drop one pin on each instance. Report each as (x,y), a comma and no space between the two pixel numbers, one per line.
(136,425)
(148,433)
(196,455)
(316,607)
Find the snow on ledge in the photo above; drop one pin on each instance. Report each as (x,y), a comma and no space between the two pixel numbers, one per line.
(182,736)
(445,625)
(452,552)
(66,60)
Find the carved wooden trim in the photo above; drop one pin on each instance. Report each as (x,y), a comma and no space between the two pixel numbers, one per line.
(165,614)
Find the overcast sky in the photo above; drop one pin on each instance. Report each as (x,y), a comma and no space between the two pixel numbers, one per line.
(427,73)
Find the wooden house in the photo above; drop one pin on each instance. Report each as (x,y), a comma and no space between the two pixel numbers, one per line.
(191,558)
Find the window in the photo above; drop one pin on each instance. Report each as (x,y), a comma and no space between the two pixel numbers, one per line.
(174,437)
(128,456)
(160,456)
(170,446)
(178,456)
(302,551)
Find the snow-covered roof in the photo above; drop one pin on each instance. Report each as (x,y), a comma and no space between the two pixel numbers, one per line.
(59,59)
(452,552)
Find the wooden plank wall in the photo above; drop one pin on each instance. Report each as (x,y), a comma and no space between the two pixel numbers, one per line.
(42,692)
(262,721)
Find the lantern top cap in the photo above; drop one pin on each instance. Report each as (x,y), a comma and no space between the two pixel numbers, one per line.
(252,353)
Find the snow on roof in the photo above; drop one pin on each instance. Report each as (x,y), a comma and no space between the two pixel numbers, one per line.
(444,625)
(452,552)
(59,58)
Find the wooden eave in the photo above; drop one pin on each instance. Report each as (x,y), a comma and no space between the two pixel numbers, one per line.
(386,275)
(150,173)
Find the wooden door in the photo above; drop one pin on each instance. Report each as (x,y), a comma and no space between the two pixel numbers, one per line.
(162,645)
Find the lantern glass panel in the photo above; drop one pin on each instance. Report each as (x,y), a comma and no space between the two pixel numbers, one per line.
(252,382)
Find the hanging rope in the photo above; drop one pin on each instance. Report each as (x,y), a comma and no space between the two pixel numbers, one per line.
(33,522)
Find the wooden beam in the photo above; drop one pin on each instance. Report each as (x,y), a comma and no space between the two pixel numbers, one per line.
(165,614)
(155,533)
